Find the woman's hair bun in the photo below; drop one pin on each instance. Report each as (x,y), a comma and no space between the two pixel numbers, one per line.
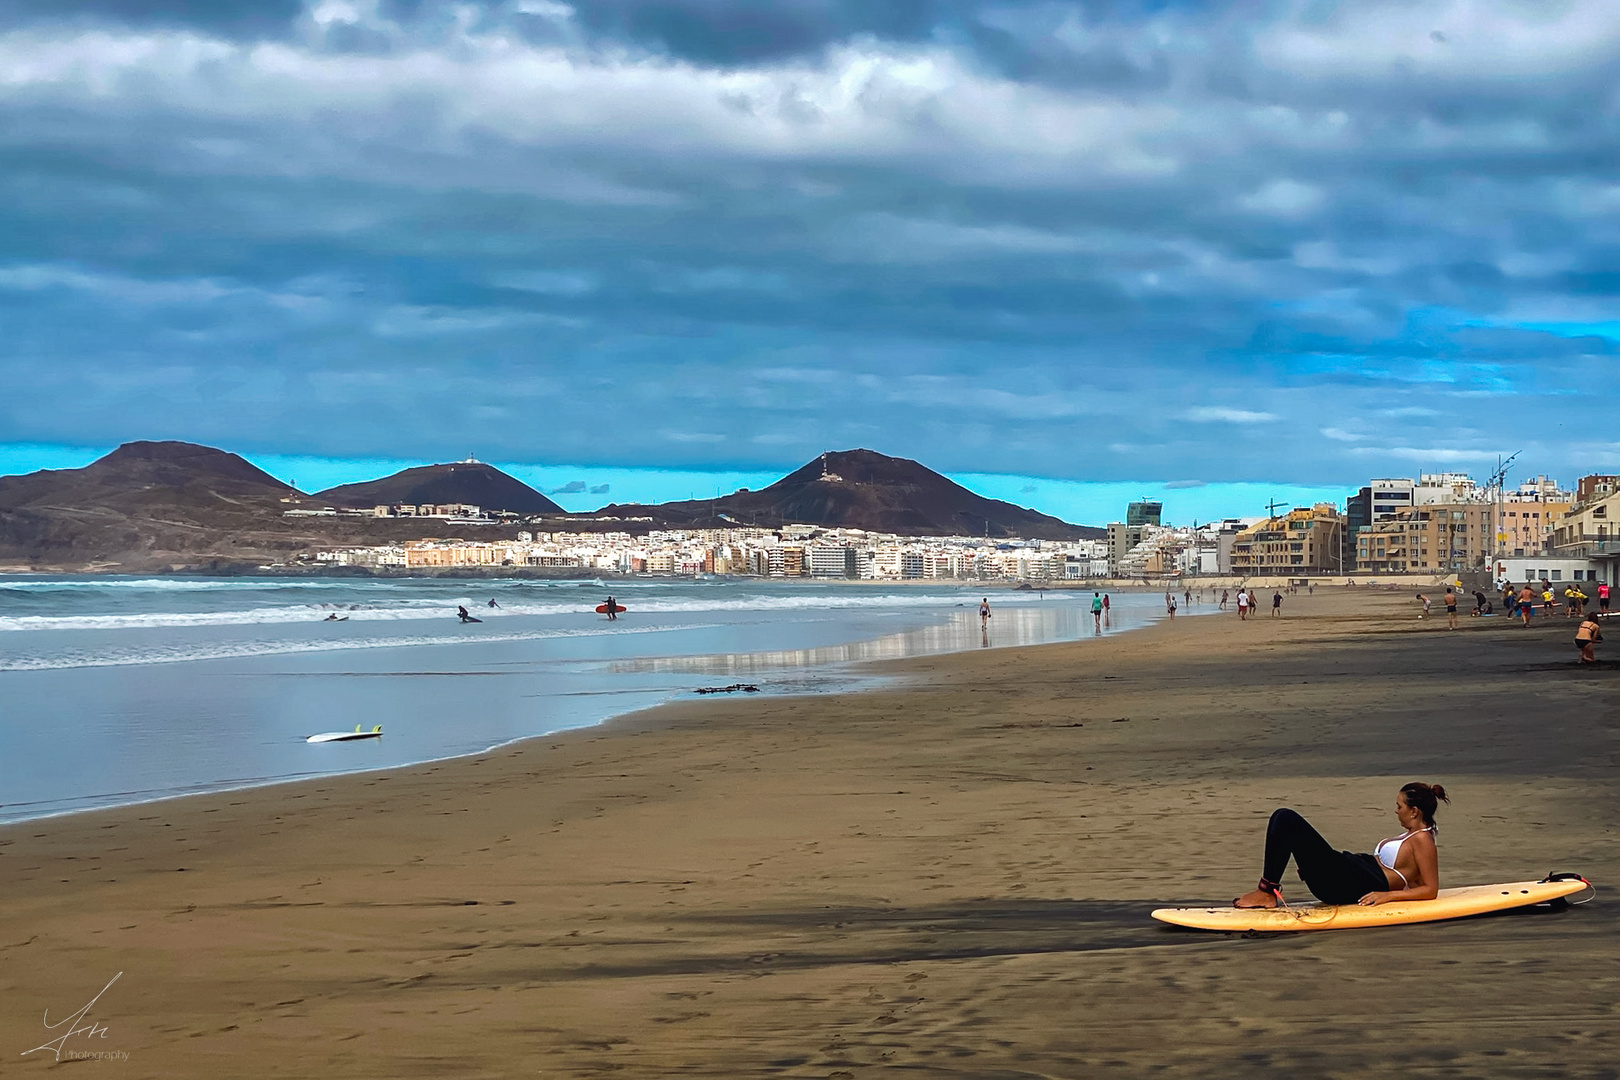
(1439,792)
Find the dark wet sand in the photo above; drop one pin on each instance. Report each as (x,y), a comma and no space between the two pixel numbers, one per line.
(951,879)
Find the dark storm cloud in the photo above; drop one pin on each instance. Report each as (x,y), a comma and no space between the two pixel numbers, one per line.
(1085,240)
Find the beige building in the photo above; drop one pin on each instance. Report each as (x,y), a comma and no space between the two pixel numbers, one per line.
(1428,539)
(1592,525)
(425,553)
(1303,541)
(1526,526)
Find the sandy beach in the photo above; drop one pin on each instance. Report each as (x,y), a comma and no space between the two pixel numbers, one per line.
(950,877)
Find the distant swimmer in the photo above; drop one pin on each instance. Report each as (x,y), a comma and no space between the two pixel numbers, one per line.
(492,602)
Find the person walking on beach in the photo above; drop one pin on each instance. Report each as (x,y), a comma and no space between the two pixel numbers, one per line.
(1276,604)
(1527,603)
(1586,638)
(1451,609)
(1404,867)
(1107,609)
(1546,599)
(1224,596)
(1170,604)
(1096,612)
(1243,604)
(1188,596)
(1603,597)
(984,613)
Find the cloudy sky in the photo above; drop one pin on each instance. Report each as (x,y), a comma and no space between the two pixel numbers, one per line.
(1102,245)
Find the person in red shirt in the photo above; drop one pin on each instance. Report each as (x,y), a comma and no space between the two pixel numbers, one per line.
(1603,596)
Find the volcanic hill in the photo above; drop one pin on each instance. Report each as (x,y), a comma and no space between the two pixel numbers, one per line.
(143,498)
(155,506)
(471,482)
(862,489)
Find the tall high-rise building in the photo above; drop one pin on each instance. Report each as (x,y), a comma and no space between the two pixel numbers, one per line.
(1358,514)
(1143,513)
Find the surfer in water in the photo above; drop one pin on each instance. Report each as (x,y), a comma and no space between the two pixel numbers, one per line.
(1404,867)
(612,610)
(492,603)
(464,614)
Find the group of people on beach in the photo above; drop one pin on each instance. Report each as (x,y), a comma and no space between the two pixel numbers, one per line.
(1521,604)
(1248,602)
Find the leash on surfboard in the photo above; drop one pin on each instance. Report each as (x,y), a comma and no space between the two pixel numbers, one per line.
(1567,876)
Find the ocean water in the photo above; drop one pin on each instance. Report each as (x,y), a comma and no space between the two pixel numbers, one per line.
(121,690)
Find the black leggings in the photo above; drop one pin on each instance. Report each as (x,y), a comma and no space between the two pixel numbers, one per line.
(1334,877)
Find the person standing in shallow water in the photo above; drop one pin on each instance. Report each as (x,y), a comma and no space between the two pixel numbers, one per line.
(984,613)
(1404,867)
(1096,612)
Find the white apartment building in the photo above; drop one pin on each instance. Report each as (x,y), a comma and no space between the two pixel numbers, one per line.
(1390,494)
(827,561)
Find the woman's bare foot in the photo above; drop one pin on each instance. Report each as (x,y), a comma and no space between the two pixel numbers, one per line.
(1255,898)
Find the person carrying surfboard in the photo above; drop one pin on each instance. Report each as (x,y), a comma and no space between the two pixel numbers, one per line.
(1404,867)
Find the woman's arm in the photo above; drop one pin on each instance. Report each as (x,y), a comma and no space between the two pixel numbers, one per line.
(1428,875)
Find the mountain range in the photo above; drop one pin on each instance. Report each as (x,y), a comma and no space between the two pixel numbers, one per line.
(173,505)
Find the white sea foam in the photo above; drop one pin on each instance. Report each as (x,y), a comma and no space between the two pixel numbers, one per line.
(175,653)
(400,609)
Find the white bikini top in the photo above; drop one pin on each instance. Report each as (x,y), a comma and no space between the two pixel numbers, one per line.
(1390,850)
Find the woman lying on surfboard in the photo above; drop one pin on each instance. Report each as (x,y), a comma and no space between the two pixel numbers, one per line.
(1404,867)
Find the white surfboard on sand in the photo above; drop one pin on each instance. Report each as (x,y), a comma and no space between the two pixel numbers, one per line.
(347,736)
(1450,904)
